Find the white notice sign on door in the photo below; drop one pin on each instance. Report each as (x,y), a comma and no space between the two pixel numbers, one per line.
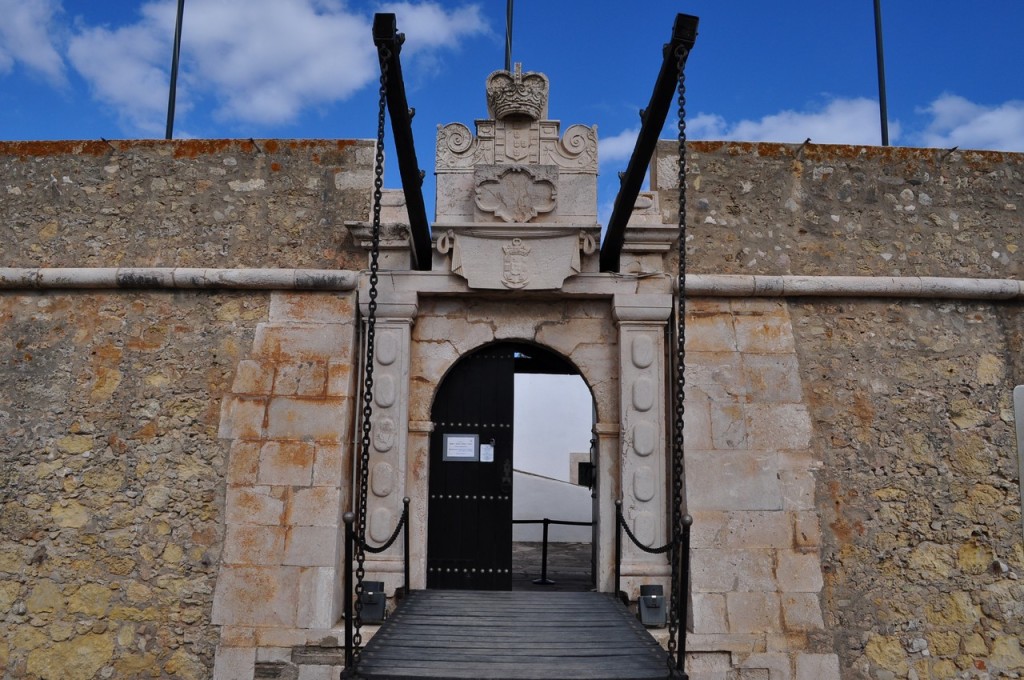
(461,447)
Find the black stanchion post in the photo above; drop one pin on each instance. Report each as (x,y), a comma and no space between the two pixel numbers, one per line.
(349,518)
(684,593)
(544,580)
(405,503)
(618,548)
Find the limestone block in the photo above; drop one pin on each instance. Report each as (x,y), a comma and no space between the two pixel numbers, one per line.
(253,505)
(316,605)
(243,462)
(432,360)
(801,612)
(719,375)
(312,547)
(330,465)
(728,426)
(310,307)
(775,427)
(720,571)
(709,665)
(340,378)
(318,672)
(287,463)
(277,342)
(710,332)
(464,335)
(806,530)
(253,377)
(817,667)
(799,572)
(770,333)
(732,480)
(306,378)
(307,419)
(757,529)
(797,489)
(708,527)
(753,612)
(234,663)
(778,665)
(253,545)
(318,506)
(280,637)
(256,596)
(242,418)
(772,377)
(697,420)
(566,336)
(709,613)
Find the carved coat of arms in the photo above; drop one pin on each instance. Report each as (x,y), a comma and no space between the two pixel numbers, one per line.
(514,272)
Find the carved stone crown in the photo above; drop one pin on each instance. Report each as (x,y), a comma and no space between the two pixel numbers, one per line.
(517,94)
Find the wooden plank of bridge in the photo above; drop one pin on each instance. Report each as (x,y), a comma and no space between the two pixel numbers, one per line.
(498,635)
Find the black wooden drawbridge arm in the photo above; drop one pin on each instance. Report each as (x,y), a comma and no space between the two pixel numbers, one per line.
(684,34)
(385,33)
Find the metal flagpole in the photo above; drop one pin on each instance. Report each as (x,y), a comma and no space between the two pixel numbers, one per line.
(508,35)
(174,70)
(880,58)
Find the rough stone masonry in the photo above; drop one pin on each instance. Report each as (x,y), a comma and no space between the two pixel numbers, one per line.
(174,461)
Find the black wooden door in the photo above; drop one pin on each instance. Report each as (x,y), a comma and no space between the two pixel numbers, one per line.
(469,526)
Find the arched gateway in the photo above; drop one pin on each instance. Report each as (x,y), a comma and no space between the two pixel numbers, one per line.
(514,260)
(470,508)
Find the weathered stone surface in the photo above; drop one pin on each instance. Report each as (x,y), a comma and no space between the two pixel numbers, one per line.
(914,487)
(186,203)
(76,659)
(119,500)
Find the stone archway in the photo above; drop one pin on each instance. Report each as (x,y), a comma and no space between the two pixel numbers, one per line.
(606,337)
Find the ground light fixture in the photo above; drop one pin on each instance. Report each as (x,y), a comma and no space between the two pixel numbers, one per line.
(651,606)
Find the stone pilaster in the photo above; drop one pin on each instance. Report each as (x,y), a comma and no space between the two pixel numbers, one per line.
(643,464)
(390,433)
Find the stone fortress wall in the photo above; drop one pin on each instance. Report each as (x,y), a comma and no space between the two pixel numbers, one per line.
(175,461)
(902,410)
(126,491)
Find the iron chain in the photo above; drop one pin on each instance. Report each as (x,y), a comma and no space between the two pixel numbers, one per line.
(636,541)
(384,56)
(394,536)
(677,602)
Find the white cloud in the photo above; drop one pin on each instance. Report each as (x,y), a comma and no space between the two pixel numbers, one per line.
(840,121)
(959,122)
(126,70)
(260,61)
(427,25)
(617,148)
(26,37)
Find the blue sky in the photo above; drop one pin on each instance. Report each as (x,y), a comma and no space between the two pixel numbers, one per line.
(783,71)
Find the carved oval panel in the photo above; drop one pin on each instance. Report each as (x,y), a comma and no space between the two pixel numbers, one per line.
(644,438)
(386,349)
(643,351)
(384,431)
(382,524)
(643,394)
(382,479)
(643,483)
(384,392)
(643,527)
